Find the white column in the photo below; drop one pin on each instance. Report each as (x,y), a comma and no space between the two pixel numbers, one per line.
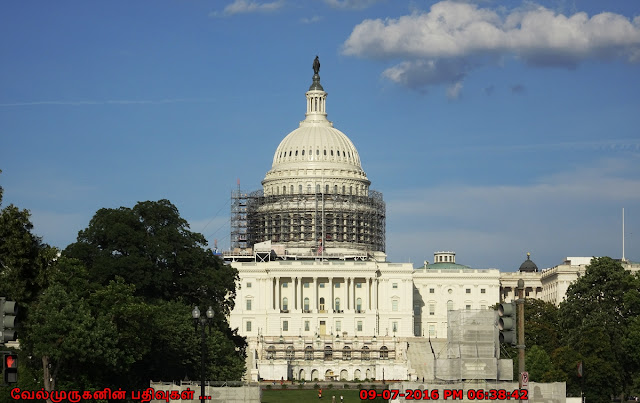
(331,293)
(353,285)
(369,293)
(270,281)
(295,293)
(315,295)
(346,285)
(279,306)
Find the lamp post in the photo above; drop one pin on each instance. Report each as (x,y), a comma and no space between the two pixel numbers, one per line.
(204,321)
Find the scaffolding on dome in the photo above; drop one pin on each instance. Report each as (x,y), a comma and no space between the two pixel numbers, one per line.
(472,348)
(303,220)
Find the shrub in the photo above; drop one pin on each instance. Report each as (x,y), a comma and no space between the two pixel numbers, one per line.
(300,386)
(359,386)
(284,386)
(330,386)
(345,386)
(316,386)
(269,387)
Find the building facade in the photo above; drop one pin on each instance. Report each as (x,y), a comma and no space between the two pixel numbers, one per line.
(316,297)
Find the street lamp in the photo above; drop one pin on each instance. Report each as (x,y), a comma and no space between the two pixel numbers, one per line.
(197,320)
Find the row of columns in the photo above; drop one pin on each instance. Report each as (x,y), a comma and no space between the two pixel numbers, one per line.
(275,293)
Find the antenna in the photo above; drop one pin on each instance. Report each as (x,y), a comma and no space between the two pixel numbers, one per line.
(623,259)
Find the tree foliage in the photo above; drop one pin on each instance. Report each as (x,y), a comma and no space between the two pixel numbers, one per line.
(599,321)
(115,309)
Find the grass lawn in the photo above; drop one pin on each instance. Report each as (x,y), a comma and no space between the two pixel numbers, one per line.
(311,395)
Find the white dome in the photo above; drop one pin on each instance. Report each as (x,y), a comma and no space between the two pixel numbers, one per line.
(316,154)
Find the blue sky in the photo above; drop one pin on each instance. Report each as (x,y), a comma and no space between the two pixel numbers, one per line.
(493,128)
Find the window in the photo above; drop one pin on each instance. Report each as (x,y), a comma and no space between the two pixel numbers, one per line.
(482,291)
(306,285)
(394,305)
(285,285)
(467,307)
(321,285)
(346,353)
(248,304)
(299,189)
(384,352)
(308,353)
(432,330)
(328,353)
(394,285)
(468,290)
(337,285)
(306,304)
(306,325)
(326,187)
(432,291)
(365,353)
(338,326)
(359,304)
(322,303)
(432,309)
(449,305)
(248,284)
(285,325)
(285,303)
(337,304)
(290,351)
(394,327)
(359,326)
(248,326)
(271,353)
(483,307)
(358,285)
(302,152)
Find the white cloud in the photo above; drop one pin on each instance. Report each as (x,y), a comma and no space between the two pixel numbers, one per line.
(453,92)
(463,35)
(249,6)
(351,4)
(311,20)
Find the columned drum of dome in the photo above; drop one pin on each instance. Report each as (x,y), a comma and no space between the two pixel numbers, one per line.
(316,197)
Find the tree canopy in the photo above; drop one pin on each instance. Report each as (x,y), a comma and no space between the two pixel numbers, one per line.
(114,310)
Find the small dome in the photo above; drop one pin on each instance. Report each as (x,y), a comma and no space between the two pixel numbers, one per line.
(528,265)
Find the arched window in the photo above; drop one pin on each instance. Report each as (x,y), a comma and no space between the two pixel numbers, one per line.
(285,303)
(328,353)
(299,188)
(337,304)
(296,153)
(284,190)
(290,353)
(359,304)
(308,353)
(322,303)
(384,352)
(449,305)
(306,303)
(317,188)
(302,152)
(346,353)
(365,353)
(335,189)
(271,353)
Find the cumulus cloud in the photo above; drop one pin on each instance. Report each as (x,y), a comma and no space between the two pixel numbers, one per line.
(462,34)
(351,4)
(249,6)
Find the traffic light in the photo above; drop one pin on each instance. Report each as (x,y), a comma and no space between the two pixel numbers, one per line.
(507,322)
(8,311)
(10,364)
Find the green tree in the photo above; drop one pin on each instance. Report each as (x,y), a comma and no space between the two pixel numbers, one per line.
(151,248)
(598,320)
(538,363)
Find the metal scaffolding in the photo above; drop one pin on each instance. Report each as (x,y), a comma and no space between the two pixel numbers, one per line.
(312,221)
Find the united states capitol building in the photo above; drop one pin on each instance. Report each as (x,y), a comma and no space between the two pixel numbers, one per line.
(317,298)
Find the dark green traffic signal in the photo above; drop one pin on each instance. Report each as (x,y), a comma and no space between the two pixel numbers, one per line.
(507,322)
(8,311)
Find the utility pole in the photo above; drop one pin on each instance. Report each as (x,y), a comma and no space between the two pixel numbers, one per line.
(520,318)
